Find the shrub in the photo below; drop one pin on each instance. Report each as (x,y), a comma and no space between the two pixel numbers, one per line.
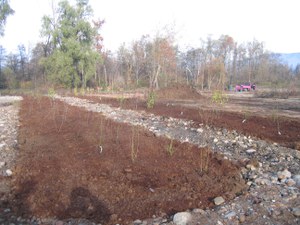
(219,97)
(151,100)
(51,93)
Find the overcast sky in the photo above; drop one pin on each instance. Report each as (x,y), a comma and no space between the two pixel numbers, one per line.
(274,22)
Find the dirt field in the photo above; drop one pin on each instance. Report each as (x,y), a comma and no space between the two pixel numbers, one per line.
(77,164)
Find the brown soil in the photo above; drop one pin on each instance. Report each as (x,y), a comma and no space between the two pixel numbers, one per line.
(178,91)
(282,130)
(61,171)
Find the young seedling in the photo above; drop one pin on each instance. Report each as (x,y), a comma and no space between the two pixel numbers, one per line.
(204,160)
(170,149)
(121,100)
(51,95)
(134,144)
(100,146)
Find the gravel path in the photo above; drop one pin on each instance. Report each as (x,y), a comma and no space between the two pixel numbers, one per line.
(272,172)
(9,107)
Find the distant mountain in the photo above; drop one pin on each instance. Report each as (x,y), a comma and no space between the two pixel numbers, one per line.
(292,59)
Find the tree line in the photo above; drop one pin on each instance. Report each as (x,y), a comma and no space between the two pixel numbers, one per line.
(72,55)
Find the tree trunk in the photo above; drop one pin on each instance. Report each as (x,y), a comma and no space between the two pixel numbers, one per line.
(154,79)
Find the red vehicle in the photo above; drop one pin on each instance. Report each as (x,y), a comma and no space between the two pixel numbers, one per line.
(245,87)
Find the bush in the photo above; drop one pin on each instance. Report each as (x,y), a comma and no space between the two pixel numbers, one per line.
(151,100)
(219,97)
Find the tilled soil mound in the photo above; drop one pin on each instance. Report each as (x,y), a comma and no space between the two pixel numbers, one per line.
(78,164)
(178,91)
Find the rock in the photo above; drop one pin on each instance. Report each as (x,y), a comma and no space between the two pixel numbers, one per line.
(251,151)
(262,181)
(296,178)
(200,211)
(285,174)
(242,218)
(216,140)
(8,172)
(219,200)
(128,170)
(59,222)
(200,130)
(137,222)
(249,183)
(251,167)
(182,218)
(7,210)
(2,164)
(290,182)
(297,155)
(296,212)
(230,215)
(253,164)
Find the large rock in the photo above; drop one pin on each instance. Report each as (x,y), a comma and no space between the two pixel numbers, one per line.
(219,200)
(182,218)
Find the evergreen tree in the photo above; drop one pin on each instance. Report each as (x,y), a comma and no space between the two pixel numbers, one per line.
(73,57)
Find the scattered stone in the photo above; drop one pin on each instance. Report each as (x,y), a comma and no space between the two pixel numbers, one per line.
(251,151)
(251,167)
(263,181)
(200,130)
(249,183)
(7,210)
(297,154)
(296,178)
(2,164)
(296,212)
(290,182)
(137,222)
(128,170)
(242,218)
(285,174)
(8,172)
(219,200)
(230,215)
(59,222)
(216,140)
(200,211)
(182,218)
